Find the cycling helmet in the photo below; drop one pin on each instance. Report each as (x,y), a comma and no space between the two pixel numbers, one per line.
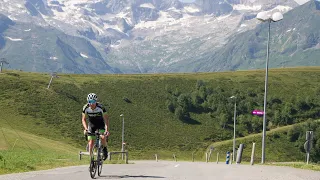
(92,96)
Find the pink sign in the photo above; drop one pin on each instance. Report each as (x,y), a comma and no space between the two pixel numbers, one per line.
(257,112)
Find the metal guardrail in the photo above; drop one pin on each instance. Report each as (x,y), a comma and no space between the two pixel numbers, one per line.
(109,154)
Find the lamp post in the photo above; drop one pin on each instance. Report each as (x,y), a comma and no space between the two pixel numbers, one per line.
(263,16)
(122,143)
(234,127)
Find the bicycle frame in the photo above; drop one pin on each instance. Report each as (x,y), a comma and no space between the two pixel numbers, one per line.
(96,163)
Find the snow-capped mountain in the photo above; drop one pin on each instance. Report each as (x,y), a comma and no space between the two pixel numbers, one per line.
(138,36)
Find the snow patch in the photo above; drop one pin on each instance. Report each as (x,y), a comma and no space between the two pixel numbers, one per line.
(173,9)
(74,2)
(223,17)
(122,14)
(147,5)
(243,25)
(83,55)
(282,8)
(14,39)
(191,9)
(53,58)
(27,30)
(244,7)
(278,8)
(116,44)
(12,18)
(300,2)
(19,6)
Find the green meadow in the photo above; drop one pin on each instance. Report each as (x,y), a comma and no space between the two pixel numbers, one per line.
(165,114)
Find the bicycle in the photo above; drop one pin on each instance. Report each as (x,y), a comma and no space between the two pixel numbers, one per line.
(96,161)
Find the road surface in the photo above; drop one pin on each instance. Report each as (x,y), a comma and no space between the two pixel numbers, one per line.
(151,170)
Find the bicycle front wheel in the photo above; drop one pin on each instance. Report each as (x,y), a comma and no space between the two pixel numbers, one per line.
(93,163)
(99,161)
(100,168)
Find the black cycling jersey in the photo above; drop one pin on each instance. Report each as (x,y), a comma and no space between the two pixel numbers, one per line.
(95,116)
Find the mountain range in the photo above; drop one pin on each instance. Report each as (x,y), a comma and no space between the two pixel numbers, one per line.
(154,36)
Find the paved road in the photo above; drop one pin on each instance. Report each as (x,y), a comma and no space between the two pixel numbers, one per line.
(151,170)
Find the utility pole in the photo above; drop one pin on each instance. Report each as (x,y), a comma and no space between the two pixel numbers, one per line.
(234,127)
(122,143)
(53,75)
(2,61)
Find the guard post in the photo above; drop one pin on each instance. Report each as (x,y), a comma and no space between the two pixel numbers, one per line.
(308,144)
(239,154)
(228,157)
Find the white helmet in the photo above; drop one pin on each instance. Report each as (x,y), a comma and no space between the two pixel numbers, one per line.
(92,96)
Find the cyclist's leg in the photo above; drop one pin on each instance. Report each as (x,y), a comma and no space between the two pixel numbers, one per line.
(104,143)
(103,138)
(91,136)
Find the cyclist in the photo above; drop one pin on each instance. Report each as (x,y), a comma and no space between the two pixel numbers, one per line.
(98,119)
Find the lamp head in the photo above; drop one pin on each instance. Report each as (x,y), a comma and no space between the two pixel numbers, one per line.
(263,16)
(277,17)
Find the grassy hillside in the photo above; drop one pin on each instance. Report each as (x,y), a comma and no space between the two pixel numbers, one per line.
(22,152)
(150,127)
(284,144)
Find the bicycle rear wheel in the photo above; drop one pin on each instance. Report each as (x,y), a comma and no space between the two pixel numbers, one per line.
(93,164)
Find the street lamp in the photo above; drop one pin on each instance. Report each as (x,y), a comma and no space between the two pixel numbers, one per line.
(122,144)
(234,126)
(264,16)
(2,61)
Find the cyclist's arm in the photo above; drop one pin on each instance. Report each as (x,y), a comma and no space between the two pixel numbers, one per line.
(84,122)
(106,120)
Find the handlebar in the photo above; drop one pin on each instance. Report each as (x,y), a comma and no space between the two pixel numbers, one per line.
(96,133)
